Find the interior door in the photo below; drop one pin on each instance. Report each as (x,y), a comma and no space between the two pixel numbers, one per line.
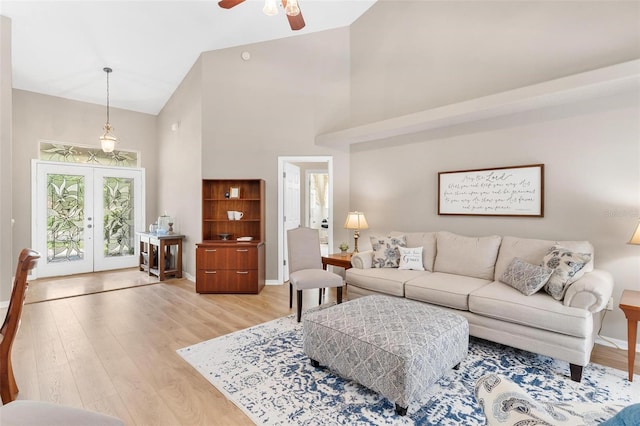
(291,204)
(86,217)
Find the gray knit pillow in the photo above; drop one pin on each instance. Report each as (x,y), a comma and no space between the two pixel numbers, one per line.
(525,277)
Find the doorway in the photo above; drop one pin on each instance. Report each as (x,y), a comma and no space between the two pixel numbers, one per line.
(301,203)
(86,217)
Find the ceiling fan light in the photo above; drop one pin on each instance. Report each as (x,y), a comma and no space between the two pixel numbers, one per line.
(292,8)
(270,8)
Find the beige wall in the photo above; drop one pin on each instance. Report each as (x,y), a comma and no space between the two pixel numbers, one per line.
(179,161)
(6,265)
(274,105)
(40,117)
(424,54)
(418,57)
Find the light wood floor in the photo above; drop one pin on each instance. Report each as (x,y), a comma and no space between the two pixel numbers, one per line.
(77,285)
(114,352)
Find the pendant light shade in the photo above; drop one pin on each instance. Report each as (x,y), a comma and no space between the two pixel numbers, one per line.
(108,141)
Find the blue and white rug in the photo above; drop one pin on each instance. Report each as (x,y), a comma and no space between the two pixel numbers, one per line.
(265,373)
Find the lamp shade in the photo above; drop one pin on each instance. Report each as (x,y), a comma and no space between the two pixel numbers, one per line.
(356,220)
(635,238)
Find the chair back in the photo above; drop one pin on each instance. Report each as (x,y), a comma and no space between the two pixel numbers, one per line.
(303,246)
(26,262)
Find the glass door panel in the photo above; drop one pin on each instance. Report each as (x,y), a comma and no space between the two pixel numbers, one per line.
(64,220)
(87,217)
(120,208)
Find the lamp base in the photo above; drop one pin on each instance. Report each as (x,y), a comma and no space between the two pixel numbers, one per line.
(355,241)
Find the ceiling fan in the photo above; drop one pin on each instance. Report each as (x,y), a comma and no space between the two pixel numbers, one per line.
(291,8)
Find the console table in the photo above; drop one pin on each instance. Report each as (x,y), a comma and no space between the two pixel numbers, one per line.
(156,256)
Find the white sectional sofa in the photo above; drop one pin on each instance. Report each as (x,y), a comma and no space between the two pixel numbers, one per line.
(463,274)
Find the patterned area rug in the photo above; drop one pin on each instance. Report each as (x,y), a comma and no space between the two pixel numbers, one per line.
(265,373)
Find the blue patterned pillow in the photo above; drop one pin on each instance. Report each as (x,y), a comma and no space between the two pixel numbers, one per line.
(385,251)
(565,264)
(525,277)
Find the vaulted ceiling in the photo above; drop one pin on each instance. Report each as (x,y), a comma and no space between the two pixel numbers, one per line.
(59,48)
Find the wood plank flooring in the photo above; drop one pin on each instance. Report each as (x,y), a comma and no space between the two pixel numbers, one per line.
(114,352)
(77,285)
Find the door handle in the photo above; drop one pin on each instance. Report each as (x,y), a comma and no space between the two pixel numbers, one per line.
(210,250)
(242,272)
(242,250)
(210,272)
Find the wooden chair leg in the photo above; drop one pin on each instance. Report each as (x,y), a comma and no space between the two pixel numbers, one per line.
(8,386)
(290,295)
(299,304)
(339,295)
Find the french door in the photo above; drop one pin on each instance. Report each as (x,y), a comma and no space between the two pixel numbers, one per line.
(86,217)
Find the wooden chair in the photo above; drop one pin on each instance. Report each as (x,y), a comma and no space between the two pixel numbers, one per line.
(26,262)
(305,266)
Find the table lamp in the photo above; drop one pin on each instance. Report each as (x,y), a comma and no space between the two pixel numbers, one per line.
(356,221)
(635,238)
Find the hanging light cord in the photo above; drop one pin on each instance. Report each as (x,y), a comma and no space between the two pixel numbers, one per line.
(108,71)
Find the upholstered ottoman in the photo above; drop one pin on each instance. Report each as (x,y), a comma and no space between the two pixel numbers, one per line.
(394,346)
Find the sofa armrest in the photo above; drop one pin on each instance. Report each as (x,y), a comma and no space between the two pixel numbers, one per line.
(591,292)
(362,260)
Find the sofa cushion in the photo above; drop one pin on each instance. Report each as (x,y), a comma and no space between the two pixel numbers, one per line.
(411,258)
(385,251)
(503,302)
(533,251)
(382,280)
(443,289)
(426,240)
(566,266)
(526,277)
(469,256)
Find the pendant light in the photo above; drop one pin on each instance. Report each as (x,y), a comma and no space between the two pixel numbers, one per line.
(108,141)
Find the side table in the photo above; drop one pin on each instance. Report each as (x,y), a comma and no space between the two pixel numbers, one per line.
(630,305)
(337,259)
(341,260)
(155,254)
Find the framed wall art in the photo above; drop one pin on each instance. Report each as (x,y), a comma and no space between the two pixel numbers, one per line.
(502,191)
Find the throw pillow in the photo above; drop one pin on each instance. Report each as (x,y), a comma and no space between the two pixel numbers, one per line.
(385,251)
(525,277)
(565,265)
(411,258)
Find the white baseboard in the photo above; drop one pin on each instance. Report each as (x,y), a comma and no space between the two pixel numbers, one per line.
(614,343)
(273,282)
(188,276)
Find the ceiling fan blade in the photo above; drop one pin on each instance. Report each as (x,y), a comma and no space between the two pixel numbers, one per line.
(295,22)
(228,4)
